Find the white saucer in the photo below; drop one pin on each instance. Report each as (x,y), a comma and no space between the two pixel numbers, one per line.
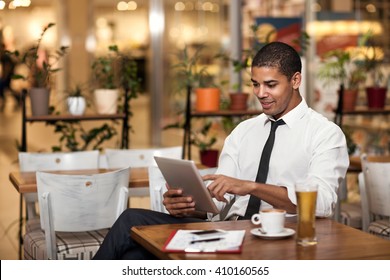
(285,233)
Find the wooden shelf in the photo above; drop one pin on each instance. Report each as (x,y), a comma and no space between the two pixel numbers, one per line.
(67,117)
(226,113)
(367,111)
(197,114)
(123,117)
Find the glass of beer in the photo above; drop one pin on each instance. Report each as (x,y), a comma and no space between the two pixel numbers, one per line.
(306,203)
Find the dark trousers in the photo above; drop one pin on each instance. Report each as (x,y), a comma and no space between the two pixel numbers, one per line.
(118,244)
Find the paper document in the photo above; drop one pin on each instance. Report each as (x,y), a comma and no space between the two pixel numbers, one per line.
(190,241)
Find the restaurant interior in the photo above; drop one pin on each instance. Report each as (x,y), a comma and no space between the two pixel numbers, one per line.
(154,35)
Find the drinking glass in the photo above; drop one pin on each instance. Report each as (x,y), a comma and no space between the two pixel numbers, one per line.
(306,193)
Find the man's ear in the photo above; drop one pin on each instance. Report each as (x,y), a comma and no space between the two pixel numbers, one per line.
(296,80)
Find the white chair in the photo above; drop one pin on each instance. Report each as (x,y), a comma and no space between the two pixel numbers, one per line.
(157,187)
(135,158)
(54,161)
(76,213)
(48,161)
(118,158)
(375,193)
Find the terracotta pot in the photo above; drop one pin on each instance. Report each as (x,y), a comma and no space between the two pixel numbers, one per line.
(238,101)
(40,98)
(106,100)
(76,105)
(207,99)
(209,158)
(349,99)
(376,97)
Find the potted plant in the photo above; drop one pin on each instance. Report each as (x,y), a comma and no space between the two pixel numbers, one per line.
(110,73)
(238,99)
(192,75)
(75,100)
(201,139)
(342,66)
(106,88)
(373,65)
(42,66)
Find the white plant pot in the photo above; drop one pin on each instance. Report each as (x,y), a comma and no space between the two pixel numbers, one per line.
(76,105)
(106,100)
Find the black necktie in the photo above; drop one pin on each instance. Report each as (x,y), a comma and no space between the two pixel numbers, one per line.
(261,177)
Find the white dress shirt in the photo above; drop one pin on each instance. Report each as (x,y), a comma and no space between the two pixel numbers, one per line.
(307,147)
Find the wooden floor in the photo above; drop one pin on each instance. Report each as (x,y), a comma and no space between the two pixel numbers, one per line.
(41,138)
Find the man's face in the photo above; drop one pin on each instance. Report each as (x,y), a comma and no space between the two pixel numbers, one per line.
(277,94)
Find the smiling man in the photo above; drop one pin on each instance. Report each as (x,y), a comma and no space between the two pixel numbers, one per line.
(296,143)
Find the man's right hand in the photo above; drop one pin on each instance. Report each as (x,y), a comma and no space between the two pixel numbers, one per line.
(177,204)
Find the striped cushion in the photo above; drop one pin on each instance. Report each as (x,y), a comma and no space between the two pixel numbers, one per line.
(380,228)
(70,245)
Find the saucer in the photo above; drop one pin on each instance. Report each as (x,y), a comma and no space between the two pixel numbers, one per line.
(283,234)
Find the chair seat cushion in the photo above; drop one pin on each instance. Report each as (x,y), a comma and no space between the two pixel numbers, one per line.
(380,228)
(71,245)
(351,215)
(33,224)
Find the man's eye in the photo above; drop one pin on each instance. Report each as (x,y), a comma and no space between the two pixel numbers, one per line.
(271,85)
(255,84)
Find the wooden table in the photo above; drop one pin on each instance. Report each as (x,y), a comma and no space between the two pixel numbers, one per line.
(25,182)
(335,241)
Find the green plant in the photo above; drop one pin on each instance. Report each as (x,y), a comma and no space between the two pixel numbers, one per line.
(75,91)
(372,59)
(116,69)
(351,145)
(343,66)
(201,139)
(103,71)
(190,72)
(75,138)
(128,76)
(40,72)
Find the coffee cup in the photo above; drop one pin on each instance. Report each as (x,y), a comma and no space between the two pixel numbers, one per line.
(271,220)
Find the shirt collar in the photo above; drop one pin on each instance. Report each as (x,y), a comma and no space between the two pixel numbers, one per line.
(293,116)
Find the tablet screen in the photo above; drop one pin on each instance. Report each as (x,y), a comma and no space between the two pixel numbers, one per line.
(184,174)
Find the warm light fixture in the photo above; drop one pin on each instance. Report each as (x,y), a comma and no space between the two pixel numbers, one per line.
(11,5)
(179,6)
(15,4)
(126,6)
(21,3)
(343,27)
(371,8)
(200,6)
(121,6)
(316,8)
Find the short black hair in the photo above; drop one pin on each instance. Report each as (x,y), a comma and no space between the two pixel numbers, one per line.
(281,56)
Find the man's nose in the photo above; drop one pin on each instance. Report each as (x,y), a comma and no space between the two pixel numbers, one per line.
(260,92)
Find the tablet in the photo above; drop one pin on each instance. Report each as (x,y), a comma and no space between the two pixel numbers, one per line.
(183,174)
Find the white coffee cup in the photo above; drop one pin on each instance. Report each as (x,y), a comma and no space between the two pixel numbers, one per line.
(271,220)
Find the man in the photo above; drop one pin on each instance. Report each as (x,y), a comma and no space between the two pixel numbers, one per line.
(307,146)
(8,68)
